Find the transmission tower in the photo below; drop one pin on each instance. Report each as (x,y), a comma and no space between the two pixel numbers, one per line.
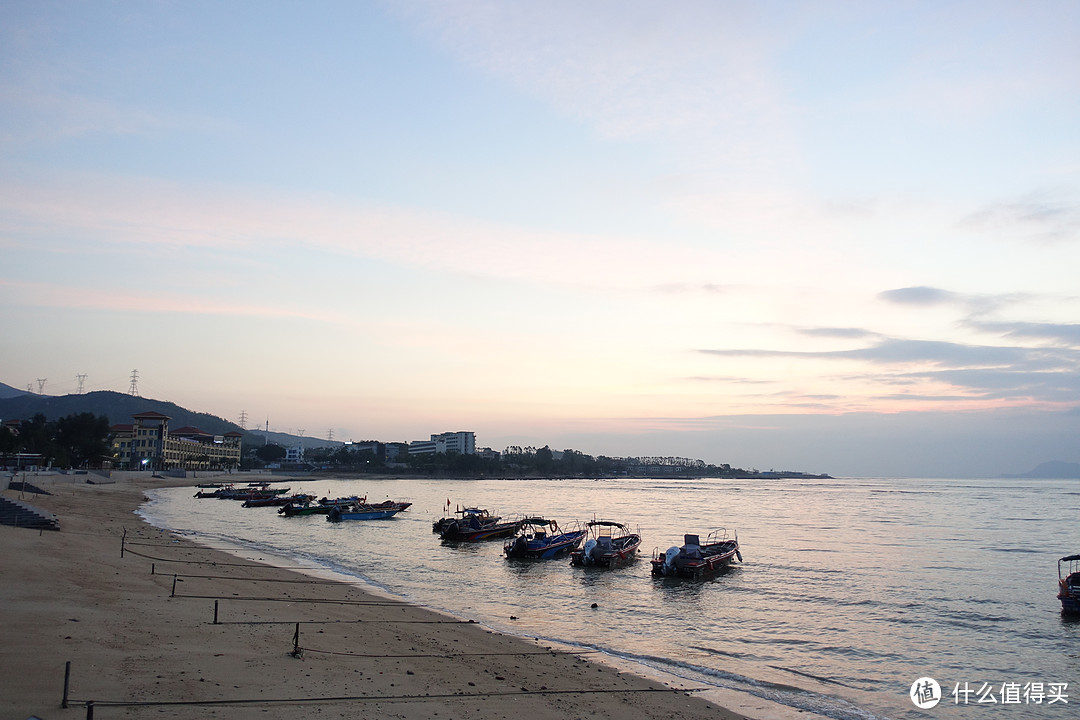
(243,419)
(81,377)
(330,435)
(41,385)
(300,432)
(134,389)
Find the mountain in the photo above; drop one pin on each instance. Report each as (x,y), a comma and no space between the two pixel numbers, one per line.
(6,391)
(119,407)
(1053,470)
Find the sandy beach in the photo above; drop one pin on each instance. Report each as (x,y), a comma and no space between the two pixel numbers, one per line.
(157,626)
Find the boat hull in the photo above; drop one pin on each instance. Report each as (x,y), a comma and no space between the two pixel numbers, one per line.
(550,548)
(621,554)
(708,560)
(336,515)
(455,533)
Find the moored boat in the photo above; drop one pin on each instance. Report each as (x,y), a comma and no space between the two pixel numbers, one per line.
(322,507)
(609,545)
(364,511)
(462,513)
(276,500)
(696,559)
(476,525)
(542,539)
(1069,584)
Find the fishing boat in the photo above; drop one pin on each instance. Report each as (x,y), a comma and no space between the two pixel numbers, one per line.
(542,539)
(322,507)
(462,513)
(696,559)
(217,490)
(609,545)
(476,525)
(1069,584)
(276,500)
(254,491)
(363,511)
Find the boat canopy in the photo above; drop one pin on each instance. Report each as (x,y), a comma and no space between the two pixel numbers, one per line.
(1069,558)
(606,523)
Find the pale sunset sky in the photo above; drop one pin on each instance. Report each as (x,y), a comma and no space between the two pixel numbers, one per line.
(838,237)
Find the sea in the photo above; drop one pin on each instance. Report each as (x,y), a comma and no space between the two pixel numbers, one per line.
(850,590)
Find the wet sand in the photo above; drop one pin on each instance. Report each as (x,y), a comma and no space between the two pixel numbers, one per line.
(156,626)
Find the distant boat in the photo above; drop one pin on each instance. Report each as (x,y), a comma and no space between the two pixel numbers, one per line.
(253,491)
(1069,584)
(609,545)
(694,559)
(542,539)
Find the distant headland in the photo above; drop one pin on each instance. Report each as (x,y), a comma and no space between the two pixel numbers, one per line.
(1053,470)
(314,454)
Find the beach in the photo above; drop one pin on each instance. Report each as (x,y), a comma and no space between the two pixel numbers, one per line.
(154,625)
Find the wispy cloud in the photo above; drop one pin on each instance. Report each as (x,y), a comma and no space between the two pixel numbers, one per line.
(1025,374)
(839,333)
(1063,333)
(37,294)
(1037,217)
(699,73)
(148,213)
(920,296)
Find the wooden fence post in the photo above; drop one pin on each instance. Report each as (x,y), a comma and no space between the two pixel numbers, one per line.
(67,682)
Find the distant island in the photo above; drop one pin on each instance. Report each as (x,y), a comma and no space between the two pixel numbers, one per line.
(1053,470)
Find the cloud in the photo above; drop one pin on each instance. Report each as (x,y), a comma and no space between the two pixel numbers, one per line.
(74,211)
(685,288)
(1035,217)
(89,298)
(919,296)
(892,351)
(1063,333)
(842,333)
(692,71)
(1016,374)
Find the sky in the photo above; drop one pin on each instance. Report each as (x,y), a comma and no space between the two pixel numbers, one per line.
(835,237)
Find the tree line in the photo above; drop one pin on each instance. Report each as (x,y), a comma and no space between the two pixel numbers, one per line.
(514,461)
(75,441)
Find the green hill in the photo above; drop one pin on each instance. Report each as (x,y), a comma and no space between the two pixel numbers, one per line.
(117,407)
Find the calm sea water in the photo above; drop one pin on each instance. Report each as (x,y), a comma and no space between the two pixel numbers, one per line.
(850,589)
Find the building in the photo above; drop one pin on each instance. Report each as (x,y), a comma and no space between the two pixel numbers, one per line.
(463,443)
(396,451)
(148,444)
(294,454)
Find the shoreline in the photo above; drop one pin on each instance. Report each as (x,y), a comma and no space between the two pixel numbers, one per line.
(136,637)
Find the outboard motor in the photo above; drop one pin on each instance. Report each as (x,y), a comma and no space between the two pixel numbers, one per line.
(587,557)
(669,560)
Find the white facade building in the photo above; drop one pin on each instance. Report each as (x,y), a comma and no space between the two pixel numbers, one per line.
(459,442)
